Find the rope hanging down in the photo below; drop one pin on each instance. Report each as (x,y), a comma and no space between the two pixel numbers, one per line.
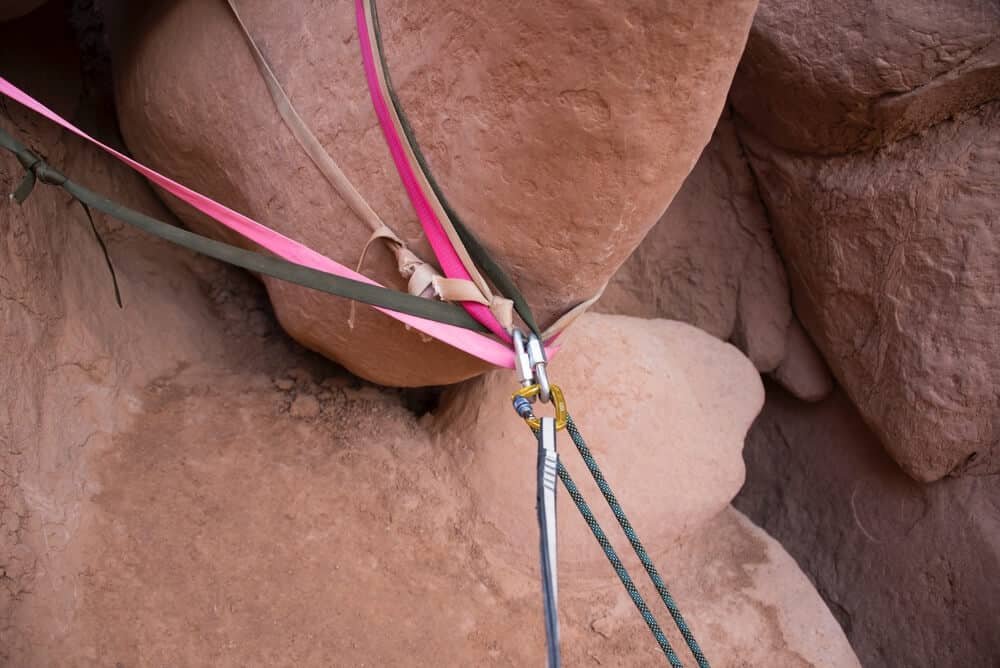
(615,560)
(530,364)
(633,539)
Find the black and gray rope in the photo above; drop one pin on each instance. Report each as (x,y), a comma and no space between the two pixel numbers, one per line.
(616,563)
(633,539)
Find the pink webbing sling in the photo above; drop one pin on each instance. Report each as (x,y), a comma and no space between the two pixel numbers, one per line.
(478,345)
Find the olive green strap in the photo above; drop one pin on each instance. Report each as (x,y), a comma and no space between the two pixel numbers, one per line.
(476,250)
(264,264)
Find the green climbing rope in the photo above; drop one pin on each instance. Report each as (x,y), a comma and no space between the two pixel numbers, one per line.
(616,563)
(637,545)
(615,560)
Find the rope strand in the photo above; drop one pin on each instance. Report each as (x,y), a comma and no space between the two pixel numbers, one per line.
(619,567)
(633,539)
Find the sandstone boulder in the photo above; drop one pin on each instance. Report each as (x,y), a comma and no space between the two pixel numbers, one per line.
(181,486)
(894,260)
(832,77)
(250,535)
(908,569)
(710,260)
(663,406)
(766,611)
(164,501)
(547,125)
(803,372)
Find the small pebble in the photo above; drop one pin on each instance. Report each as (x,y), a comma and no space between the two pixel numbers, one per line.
(284,384)
(304,406)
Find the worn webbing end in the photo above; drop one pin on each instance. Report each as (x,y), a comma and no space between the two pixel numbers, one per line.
(25,188)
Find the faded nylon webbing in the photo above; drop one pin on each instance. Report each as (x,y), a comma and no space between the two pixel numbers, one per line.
(475,255)
(484,347)
(420,274)
(437,228)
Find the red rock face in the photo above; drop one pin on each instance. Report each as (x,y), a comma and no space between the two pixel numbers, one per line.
(560,133)
(710,261)
(175,472)
(831,77)
(880,547)
(873,138)
(895,263)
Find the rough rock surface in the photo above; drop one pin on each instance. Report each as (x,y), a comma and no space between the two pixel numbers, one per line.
(164,502)
(803,371)
(910,570)
(894,259)
(663,406)
(831,77)
(550,132)
(710,261)
(71,357)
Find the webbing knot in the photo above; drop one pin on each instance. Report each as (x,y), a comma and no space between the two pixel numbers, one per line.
(35,169)
(49,175)
(45,173)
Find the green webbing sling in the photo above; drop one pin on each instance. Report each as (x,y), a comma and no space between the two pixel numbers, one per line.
(38,170)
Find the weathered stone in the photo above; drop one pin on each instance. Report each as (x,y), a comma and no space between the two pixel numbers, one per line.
(744,597)
(910,570)
(73,362)
(663,406)
(803,371)
(711,262)
(159,506)
(165,505)
(547,125)
(894,258)
(831,77)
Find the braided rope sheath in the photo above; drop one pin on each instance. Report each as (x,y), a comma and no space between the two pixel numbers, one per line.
(633,538)
(619,567)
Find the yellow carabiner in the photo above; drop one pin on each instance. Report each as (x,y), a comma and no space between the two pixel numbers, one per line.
(558,401)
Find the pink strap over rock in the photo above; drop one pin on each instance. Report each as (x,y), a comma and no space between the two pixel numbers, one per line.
(478,345)
(446,255)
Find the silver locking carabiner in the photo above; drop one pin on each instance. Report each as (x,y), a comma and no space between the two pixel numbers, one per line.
(522,360)
(538,360)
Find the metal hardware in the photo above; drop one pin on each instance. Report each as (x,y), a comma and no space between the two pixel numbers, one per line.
(531,392)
